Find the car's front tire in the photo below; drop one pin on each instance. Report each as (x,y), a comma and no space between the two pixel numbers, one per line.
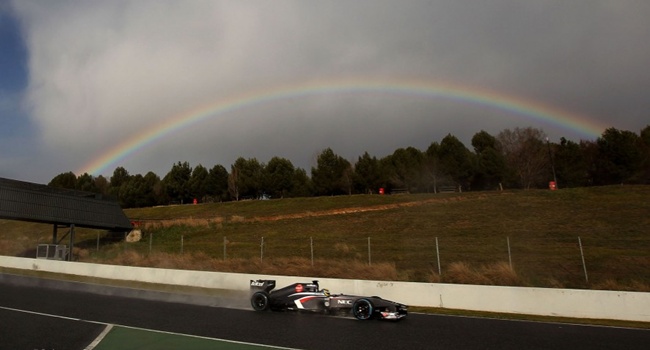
(362,309)
(260,301)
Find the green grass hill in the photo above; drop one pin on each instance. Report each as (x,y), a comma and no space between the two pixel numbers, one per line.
(525,238)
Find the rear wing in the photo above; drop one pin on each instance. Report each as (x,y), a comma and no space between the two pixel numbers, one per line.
(262,285)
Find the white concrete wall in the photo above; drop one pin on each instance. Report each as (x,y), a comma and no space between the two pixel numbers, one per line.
(632,306)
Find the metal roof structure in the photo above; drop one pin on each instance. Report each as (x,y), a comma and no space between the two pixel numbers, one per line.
(25,201)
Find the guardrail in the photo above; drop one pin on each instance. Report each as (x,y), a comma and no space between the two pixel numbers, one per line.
(593,304)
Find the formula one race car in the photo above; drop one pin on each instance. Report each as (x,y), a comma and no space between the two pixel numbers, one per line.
(308,297)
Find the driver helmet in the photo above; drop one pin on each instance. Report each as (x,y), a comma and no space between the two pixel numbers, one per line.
(326,292)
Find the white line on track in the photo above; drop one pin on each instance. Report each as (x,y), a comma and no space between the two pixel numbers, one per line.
(99,338)
(110,326)
(49,315)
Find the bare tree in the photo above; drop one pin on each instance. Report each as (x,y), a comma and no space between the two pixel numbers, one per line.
(523,149)
(233,179)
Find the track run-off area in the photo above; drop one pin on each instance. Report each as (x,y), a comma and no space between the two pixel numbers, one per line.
(110,337)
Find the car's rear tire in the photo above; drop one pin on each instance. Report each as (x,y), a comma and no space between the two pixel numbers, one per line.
(362,309)
(260,301)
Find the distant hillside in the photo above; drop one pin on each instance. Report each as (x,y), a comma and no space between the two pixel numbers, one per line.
(394,237)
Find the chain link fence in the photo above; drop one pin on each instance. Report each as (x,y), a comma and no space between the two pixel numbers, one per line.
(550,262)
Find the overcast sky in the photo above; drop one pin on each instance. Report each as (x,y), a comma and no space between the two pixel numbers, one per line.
(78,78)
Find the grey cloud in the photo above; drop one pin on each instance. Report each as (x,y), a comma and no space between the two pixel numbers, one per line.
(104,71)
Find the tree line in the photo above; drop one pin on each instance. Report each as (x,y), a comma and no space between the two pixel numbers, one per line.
(519,158)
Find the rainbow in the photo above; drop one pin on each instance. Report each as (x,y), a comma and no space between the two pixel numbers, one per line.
(427,89)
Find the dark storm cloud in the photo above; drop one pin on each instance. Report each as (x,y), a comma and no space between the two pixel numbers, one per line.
(103,71)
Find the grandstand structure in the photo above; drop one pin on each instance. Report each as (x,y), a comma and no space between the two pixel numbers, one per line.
(62,208)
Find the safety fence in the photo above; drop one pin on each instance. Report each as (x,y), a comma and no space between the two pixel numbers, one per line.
(567,261)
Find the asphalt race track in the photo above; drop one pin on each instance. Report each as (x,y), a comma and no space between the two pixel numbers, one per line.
(84,310)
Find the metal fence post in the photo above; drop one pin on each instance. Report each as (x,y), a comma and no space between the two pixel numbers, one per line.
(224,247)
(262,250)
(582,255)
(509,254)
(438,258)
(311,246)
(71,252)
(369,258)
